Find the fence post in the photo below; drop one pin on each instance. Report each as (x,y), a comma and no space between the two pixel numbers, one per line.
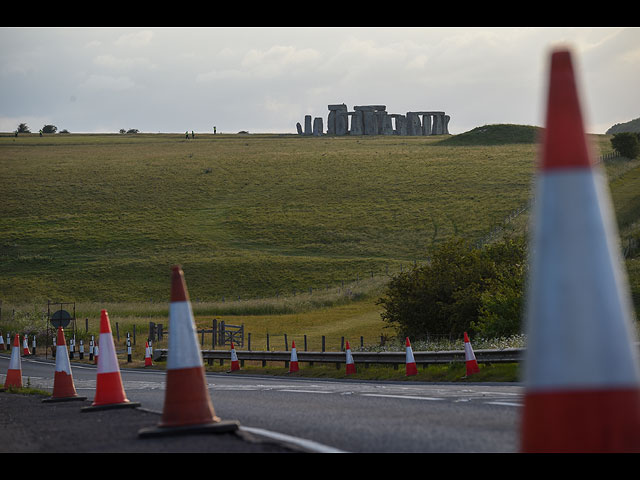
(323,343)
(214,326)
(286,343)
(249,341)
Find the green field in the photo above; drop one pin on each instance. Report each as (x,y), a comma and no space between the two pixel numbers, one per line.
(293,224)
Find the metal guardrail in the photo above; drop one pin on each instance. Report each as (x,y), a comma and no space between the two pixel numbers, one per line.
(509,355)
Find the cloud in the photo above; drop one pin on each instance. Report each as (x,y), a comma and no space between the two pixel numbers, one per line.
(135,39)
(107,82)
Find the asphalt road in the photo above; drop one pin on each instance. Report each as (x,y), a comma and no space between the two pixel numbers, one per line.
(311,415)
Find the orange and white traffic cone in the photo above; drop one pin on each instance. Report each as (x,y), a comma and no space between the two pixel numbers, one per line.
(14,373)
(235,364)
(187,404)
(25,347)
(2,342)
(293,363)
(470,357)
(351,366)
(582,385)
(411,368)
(63,386)
(147,356)
(109,389)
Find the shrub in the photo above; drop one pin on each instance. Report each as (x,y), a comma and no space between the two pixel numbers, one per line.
(626,144)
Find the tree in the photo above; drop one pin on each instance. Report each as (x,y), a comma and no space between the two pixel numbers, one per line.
(23,128)
(460,289)
(626,144)
(49,129)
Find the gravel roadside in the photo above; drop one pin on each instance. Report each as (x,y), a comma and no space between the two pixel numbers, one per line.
(30,426)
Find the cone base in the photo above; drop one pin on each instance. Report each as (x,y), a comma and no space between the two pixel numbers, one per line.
(63,399)
(411,369)
(293,367)
(351,368)
(581,422)
(235,365)
(217,426)
(110,406)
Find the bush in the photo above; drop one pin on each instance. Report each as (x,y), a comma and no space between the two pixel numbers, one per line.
(461,289)
(626,144)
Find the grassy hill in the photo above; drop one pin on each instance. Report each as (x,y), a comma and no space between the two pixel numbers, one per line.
(99,219)
(103,217)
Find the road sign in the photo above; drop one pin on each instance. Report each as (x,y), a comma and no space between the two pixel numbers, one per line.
(61,318)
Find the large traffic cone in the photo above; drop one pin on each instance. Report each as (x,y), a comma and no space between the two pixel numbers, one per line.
(411,368)
(109,389)
(351,366)
(293,363)
(470,357)
(187,404)
(581,377)
(14,373)
(147,355)
(235,364)
(63,387)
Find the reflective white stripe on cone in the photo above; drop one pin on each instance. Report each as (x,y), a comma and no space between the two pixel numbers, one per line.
(470,357)
(109,389)
(63,386)
(581,377)
(411,368)
(293,363)
(351,366)
(14,372)
(235,364)
(187,404)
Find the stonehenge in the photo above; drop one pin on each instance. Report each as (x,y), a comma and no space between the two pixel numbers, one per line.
(375,120)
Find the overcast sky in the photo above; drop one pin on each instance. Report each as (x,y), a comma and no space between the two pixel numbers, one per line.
(267,79)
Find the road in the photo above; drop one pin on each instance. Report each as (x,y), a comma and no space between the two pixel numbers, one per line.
(335,415)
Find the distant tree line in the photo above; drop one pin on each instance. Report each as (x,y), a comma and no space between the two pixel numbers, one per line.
(24,128)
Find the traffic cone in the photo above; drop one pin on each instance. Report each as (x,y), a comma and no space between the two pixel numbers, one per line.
(187,404)
(582,387)
(293,363)
(470,357)
(351,367)
(411,368)
(147,356)
(235,365)
(25,346)
(1,342)
(14,373)
(63,387)
(96,352)
(109,389)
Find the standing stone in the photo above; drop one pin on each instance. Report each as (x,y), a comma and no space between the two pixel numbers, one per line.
(299,128)
(307,125)
(401,124)
(387,127)
(317,126)
(332,120)
(342,119)
(445,129)
(426,125)
(370,127)
(357,123)
(413,124)
(435,130)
